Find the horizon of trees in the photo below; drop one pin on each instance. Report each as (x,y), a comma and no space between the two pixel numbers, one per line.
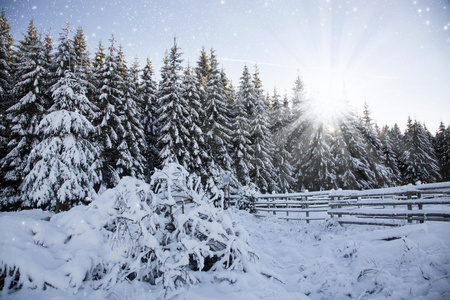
(72,125)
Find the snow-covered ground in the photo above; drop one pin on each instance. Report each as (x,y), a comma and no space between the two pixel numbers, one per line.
(320,260)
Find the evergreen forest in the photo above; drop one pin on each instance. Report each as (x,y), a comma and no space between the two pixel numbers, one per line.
(74,124)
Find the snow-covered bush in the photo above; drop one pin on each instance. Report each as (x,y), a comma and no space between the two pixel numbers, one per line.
(246,200)
(163,233)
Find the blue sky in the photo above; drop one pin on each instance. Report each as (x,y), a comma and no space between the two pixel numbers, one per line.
(395,55)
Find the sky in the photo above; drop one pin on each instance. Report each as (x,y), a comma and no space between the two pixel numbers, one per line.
(392,54)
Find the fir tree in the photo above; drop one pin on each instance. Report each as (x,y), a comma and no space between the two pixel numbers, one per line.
(298,98)
(242,148)
(202,72)
(284,180)
(217,125)
(131,161)
(198,160)
(148,91)
(63,169)
(374,149)
(276,113)
(110,130)
(52,66)
(283,170)
(420,163)
(319,169)
(229,90)
(81,53)
(353,168)
(442,150)
(261,140)
(95,78)
(99,59)
(6,83)
(172,111)
(247,93)
(6,64)
(396,137)
(203,69)
(66,59)
(390,158)
(25,115)
(298,122)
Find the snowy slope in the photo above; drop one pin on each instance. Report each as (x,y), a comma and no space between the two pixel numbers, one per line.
(296,261)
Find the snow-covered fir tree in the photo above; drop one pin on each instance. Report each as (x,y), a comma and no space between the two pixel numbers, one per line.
(6,83)
(353,169)
(374,149)
(134,75)
(217,124)
(281,157)
(319,170)
(283,170)
(442,150)
(419,159)
(84,66)
(6,63)
(172,114)
(203,69)
(81,53)
(276,112)
(198,161)
(202,72)
(298,97)
(390,158)
(300,118)
(109,128)
(229,89)
(242,147)
(50,61)
(95,78)
(25,115)
(148,90)
(396,138)
(261,139)
(99,58)
(131,161)
(247,93)
(64,167)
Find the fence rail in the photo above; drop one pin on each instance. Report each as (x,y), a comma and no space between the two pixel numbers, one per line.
(387,206)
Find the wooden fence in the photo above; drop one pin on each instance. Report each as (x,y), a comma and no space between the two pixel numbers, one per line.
(388,206)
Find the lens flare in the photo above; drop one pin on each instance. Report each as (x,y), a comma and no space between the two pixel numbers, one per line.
(327,98)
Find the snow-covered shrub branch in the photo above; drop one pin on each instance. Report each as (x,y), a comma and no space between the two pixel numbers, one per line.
(162,233)
(246,200)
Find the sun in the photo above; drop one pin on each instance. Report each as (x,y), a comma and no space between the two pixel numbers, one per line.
(327,96)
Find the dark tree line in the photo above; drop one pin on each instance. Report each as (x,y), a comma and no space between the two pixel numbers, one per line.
(74,123)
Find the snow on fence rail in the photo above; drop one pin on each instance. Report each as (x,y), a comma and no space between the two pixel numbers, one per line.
(386,206)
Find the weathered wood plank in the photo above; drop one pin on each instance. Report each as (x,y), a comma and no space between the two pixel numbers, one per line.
(293,209)
(389,212)
(432,201)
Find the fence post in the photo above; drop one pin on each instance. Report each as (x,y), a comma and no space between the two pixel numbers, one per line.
(422,219)
(409,216)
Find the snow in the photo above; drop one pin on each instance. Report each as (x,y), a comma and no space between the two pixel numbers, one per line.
(321,260)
